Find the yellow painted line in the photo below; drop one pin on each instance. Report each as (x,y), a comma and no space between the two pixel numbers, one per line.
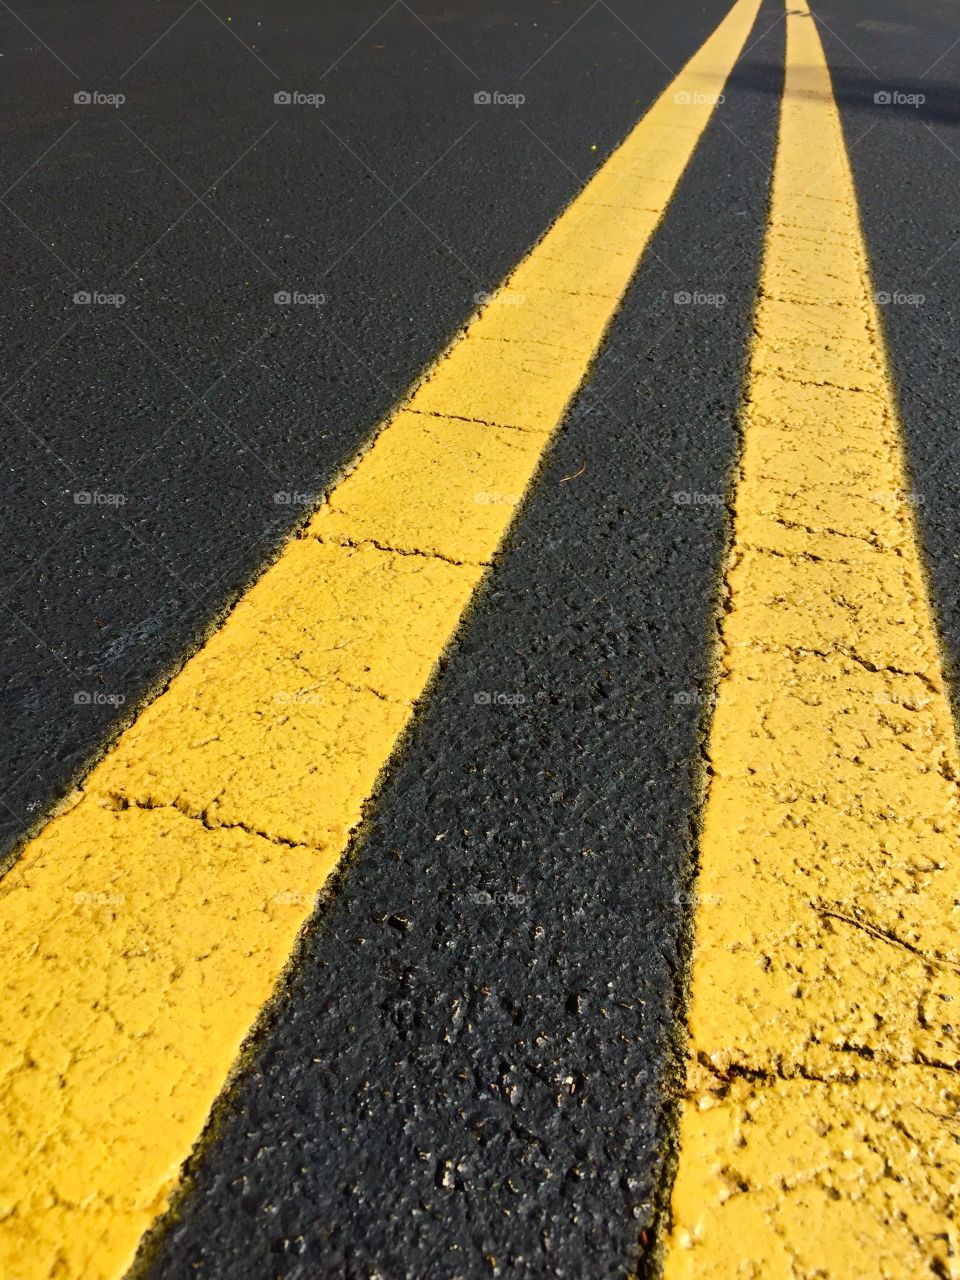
(148,923)
(819,1135)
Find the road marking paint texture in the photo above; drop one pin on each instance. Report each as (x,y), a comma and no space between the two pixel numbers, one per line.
(899,169)
(488,1007)
(148,923)
(395,296)
(819,1134)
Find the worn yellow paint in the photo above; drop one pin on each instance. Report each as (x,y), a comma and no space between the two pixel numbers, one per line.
(147,924)
(819,1133)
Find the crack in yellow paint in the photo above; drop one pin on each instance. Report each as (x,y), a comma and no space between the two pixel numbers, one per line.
(819,1135)
(148,923)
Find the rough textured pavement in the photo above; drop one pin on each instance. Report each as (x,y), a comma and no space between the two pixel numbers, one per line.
(475,1063)
(199,399)
(477,1055)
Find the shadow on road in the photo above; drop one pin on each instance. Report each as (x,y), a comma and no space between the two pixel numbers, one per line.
(929,101)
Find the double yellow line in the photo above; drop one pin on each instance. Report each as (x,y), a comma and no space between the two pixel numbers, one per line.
(146,926)
(148,923)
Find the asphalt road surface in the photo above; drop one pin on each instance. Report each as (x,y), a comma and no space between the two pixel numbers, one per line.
(477,1042)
